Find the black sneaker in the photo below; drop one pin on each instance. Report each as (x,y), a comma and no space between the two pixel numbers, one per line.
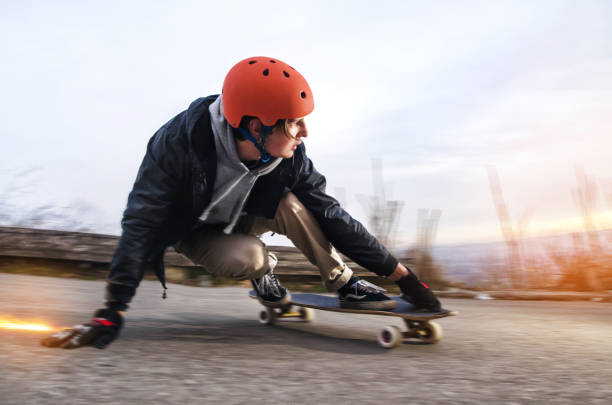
(360,294)
(269,291)
(418,294)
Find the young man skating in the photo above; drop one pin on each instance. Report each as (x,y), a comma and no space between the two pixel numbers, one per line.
(224,171)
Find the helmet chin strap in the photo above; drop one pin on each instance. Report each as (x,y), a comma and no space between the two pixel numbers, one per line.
(263,155)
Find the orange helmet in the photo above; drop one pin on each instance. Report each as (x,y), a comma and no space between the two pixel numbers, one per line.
(265,88)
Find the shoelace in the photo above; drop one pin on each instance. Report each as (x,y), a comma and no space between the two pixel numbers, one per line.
(269,285)
(366,286)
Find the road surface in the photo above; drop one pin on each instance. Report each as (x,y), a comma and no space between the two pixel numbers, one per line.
(205,344)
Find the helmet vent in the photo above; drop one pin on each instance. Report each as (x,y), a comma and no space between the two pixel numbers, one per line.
(285,73)
(266,72)
(303,94)
(272,61)
(252,62)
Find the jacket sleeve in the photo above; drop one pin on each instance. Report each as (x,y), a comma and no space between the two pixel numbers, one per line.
(148,209)
(347,234)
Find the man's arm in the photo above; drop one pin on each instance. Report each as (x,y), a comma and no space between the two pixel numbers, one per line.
(347,235)
(148,208)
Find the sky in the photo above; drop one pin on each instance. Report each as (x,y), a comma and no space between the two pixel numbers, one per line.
(436,91)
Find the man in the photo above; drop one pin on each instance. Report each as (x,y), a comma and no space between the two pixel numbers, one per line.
(227,169)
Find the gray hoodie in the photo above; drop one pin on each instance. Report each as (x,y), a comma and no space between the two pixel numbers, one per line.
(234,180)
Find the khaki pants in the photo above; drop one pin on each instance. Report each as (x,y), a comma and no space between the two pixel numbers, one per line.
(243,256)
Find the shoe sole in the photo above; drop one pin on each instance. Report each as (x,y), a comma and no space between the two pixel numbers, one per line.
(425,309)
(275,304)
(372,305)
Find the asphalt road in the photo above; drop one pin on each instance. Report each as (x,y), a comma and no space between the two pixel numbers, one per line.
(205,344)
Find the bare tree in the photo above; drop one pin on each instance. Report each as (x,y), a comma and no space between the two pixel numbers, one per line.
(514,257)
(47,215)
(585,198)
(383,215)
(427,226)
(383,220)
(586,267)
(607,194)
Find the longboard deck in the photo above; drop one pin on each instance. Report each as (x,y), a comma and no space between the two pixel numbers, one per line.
(331,303)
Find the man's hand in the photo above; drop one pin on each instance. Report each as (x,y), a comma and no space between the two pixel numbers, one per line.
(99,332)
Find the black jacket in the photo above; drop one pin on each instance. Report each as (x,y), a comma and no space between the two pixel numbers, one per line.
(175,183)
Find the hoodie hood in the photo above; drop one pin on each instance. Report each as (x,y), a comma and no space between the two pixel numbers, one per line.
(233,181)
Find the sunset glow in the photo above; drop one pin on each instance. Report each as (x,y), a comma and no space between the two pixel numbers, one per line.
(569,224)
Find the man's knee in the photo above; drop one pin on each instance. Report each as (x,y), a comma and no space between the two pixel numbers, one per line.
(241,257)
(247,262)
(292,214)
(244,261)
(290,203)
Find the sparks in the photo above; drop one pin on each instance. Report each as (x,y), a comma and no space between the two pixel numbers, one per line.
(17,325)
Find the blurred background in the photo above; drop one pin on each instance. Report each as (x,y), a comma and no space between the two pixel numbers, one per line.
(471,137)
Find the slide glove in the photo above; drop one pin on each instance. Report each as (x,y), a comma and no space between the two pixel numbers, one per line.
(103,328)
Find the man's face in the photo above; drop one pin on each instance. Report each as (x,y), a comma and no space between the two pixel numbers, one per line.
(280,145)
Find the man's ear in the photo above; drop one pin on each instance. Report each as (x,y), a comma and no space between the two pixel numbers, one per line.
(255,128)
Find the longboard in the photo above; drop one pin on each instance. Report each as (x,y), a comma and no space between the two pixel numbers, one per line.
(418,324)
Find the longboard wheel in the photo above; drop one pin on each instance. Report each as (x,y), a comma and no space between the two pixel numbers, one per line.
(429,332)
(389,337)
(306,314)
(267,316)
